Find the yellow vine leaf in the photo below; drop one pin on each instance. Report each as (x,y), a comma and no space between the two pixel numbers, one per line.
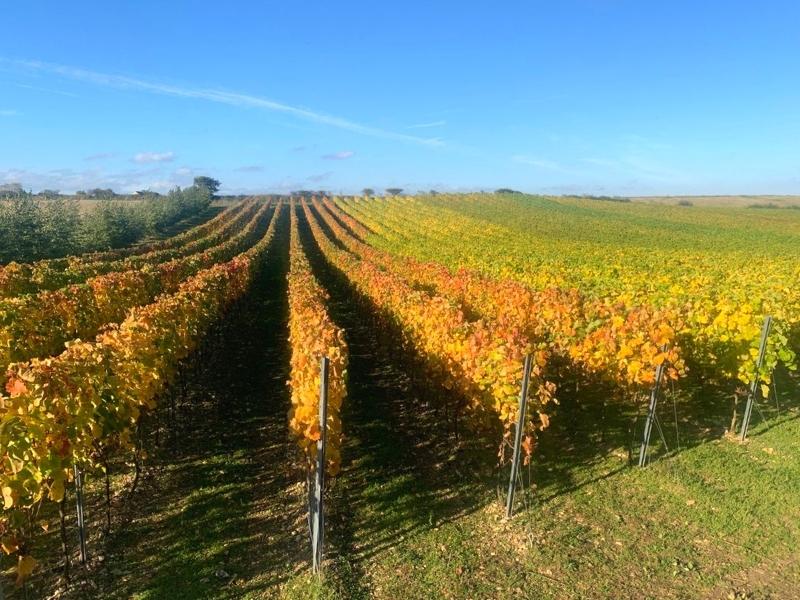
(25,568)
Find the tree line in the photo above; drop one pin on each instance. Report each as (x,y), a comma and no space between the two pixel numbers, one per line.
(52,225)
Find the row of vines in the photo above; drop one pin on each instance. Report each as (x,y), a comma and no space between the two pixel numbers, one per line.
(77,408)
(608,326)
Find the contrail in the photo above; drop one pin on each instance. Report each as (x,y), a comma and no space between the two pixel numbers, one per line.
(214,95)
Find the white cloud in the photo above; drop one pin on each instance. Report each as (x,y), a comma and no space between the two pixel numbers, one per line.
(7,112)
(215,95)
(427,125)
(154,157)
(70,180)
(159,185)
(250,169)
(342,155)
(183,171)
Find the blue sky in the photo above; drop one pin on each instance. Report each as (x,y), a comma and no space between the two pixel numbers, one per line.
(592,96)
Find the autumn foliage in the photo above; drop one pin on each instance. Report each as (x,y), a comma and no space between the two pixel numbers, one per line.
(480,361)
(70,409)
(38,325)
(313,335)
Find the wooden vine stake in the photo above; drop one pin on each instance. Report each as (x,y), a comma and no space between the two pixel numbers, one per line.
(751,397)
(317,505)
(523,404)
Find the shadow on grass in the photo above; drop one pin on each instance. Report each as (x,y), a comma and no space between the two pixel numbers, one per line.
(218,517)
(585,431)
(403,470)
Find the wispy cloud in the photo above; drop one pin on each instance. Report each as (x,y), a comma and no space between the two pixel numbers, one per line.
(214,95)
(7,112)
(153,157)
(427,125)
(184,171)
(250,169)
(342,155)
(100,156)
(637,166)
(46,90)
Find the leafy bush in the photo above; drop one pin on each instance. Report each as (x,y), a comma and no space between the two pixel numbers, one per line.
(52,226)
(31,229)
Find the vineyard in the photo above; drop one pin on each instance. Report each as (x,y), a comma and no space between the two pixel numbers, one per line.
(387,380)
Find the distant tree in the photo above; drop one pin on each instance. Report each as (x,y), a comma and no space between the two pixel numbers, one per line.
(53,225)
(394,191)
(113,225)
(209,183)
(21,230)
(101,193)
(368,192)
(433,193)
(506,191)
(146,194)
(685,203)
(606,198)
(162,211)
(11,190)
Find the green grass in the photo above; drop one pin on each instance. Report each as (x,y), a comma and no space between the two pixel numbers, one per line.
(716,518)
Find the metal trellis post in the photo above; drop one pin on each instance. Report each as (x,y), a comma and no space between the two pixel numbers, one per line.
(748,411)
(523,403)
(79,505)
(318,518)
(651,412)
